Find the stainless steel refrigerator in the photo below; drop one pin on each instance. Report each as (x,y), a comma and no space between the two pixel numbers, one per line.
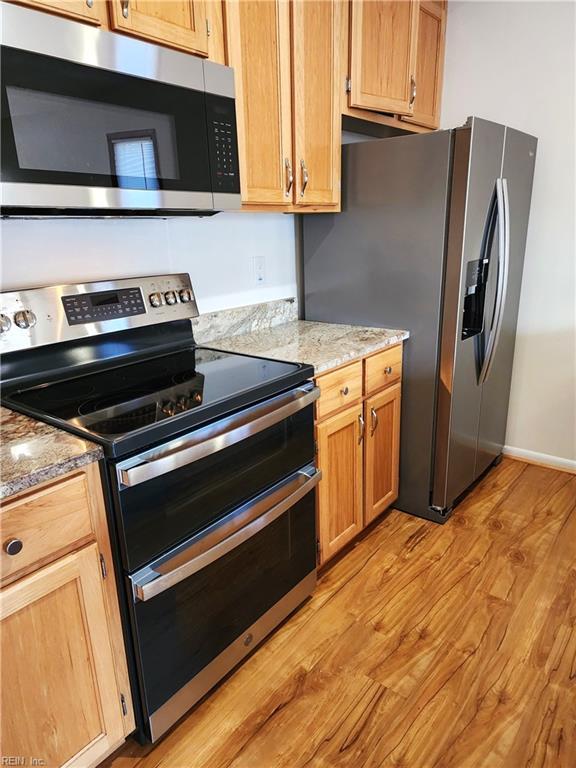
(431,238)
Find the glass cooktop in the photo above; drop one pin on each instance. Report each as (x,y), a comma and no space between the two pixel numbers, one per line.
(133,396)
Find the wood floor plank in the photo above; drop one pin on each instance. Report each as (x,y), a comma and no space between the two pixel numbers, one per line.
(426,646)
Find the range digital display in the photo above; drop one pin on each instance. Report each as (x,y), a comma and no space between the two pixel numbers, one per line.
(102,299)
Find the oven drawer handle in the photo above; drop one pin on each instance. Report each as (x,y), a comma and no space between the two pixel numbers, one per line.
(215,544)
(215,437)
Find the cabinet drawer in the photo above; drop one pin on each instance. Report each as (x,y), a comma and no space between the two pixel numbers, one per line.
(382,369)
(47,523)
(339,389)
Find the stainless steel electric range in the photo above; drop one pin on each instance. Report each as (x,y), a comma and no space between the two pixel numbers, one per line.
(209,471)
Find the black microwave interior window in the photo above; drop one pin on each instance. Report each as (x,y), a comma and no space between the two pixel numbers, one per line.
(66,123)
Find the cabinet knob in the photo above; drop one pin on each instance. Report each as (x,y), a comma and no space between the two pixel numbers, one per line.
(344,391)
(388,370)
(13,546)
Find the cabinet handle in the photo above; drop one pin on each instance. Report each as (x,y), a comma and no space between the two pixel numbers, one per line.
(362,425)
(90,3)
(289,176)
(305,177)
(412,91)
(344,391)
(388,370)
(374,421)
(13,546)
(125,4)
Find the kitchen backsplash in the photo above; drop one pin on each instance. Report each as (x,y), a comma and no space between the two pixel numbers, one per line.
(256,317)
(234,259)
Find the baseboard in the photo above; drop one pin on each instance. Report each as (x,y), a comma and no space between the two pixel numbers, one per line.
(541,459)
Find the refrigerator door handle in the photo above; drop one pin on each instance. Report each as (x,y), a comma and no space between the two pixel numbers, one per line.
(503,269)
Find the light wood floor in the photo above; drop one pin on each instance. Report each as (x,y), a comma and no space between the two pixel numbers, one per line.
(426,646)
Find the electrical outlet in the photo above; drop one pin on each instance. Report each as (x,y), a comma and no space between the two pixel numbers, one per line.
(259,269)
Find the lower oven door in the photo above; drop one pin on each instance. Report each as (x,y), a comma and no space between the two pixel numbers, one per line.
(203,607)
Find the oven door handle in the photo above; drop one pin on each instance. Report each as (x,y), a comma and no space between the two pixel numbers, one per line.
(223,536)
(215,437)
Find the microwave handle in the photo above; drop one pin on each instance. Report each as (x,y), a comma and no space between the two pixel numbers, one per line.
(223,536)
(215,437)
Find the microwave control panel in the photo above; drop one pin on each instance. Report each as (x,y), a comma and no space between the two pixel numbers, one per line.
(223,142)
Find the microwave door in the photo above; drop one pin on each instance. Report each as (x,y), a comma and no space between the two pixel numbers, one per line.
(117,125)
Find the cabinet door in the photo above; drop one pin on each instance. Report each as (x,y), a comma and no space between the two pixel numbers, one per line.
(340,440)
(382,414)
(316,33)
(429,63)
(384,35)
(258,44)
(60,702)
(175,23)
(92,11)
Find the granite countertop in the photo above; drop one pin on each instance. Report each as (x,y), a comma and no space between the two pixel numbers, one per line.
(323,345)
(32,452)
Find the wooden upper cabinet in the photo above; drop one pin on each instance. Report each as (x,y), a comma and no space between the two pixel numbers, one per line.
(383,43)
(92,11)
(381,460)
(258,44)
(339,497)
(58,666)
(316,31)
(429,63)
(179,24)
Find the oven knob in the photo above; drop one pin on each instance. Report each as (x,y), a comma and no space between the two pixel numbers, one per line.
(25,318)
(185,295)
(183,403)
(5,323)
(155,299)
(170,297)
(169,408)
(197,397)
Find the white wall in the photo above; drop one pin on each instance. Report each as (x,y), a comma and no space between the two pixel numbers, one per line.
(219,253)
(514,63)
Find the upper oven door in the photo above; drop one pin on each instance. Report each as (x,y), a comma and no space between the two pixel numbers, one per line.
(170,493)
(94,122)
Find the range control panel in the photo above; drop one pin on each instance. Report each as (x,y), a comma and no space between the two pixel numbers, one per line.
(103,305)
(37,316)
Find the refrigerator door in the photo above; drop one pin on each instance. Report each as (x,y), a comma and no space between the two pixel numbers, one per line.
(380,263)
(517,175)
(475,247)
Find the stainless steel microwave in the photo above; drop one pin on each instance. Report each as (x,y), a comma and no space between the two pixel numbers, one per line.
(96,123)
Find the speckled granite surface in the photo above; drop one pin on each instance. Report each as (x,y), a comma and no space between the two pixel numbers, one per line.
(255,317)
(324,345)
(31,452)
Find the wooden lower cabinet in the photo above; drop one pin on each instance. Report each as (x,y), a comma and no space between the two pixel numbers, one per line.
(358,447)
(339,441)
(381,453)
(59,697)
(64,690)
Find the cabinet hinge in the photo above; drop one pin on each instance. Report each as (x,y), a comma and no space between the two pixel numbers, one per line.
(317,551)
(348,85)
(316,447)
(208,28)
(124,705)
(103,566)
